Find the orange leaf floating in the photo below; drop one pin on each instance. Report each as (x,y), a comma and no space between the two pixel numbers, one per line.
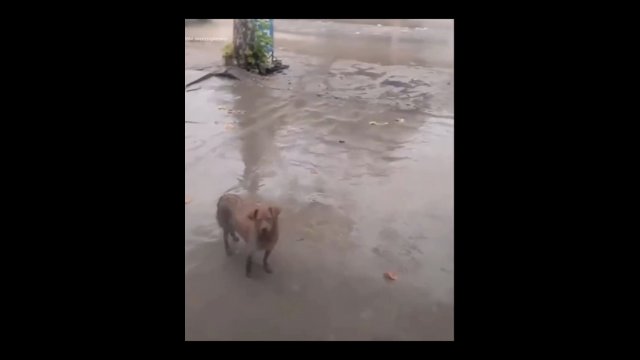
(390,276)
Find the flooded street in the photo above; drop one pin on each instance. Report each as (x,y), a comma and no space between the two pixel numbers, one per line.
(355,143)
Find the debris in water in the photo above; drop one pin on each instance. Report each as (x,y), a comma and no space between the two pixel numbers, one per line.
(341,141)
(309,229)
(400,120)
(377,123)
(300,239)
(390,276)
(231,112)
(229,127)
(222,107)
(187,199)
(194,89)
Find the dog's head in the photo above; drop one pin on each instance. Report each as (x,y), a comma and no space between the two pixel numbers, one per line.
(265,218)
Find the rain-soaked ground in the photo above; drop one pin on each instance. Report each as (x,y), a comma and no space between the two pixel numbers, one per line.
(358,199)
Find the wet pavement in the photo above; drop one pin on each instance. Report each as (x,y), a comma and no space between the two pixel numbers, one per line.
(358,199)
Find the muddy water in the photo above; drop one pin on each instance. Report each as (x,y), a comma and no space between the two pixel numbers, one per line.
(358,199)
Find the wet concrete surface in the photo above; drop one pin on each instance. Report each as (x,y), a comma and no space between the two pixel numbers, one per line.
(358,199)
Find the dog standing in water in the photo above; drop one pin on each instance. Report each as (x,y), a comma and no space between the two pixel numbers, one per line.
(255,222)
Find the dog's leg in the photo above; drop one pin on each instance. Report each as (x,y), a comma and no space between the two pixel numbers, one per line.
(252,247)
(249,264)
(227,249)
(265,264)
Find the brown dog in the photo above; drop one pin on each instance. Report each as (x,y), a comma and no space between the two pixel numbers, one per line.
(256,223)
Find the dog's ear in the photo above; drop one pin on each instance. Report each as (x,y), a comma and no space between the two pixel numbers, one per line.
(275,211)
(253,215)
